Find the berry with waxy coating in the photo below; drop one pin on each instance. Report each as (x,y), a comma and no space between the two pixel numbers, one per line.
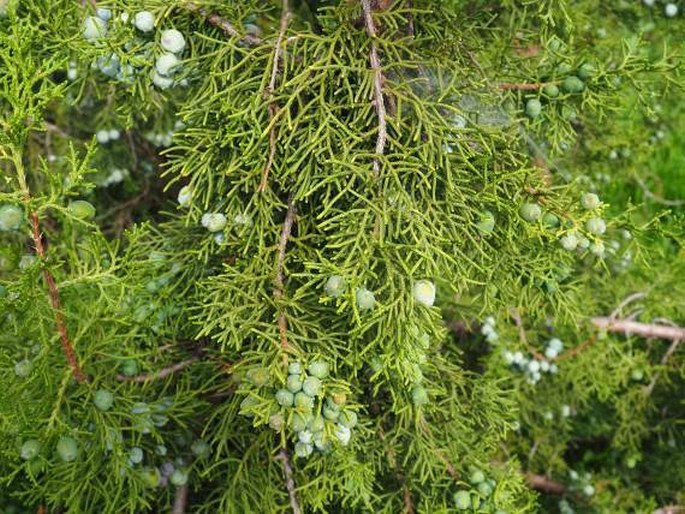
(671,10)
(276,422)
(184,196)
(258,376)
(550,220)
(419,395)
(485,489)
(586,71)
(23,368)
(67,449)
(135,455)
(30,449)
(533,108)
(94,28)
(166,64)
(311,386)
(335,286)
(298,422)
(462,500)
(285,398)
(295,368)
(303,449)
(348,418)
(199,448)
(151,477)
(161,81)
(172,41)
(477,476)
(573,84)
(530,212)
(589,201)
(294,383)
(318,369)
(343,434)
(81,209)
(214,222)
(596,226)
(486,223)
(365,299)
(304,401)
(179,477)
(144,21)
(424,292)
(129,367)
(551,90)
(11,217)
(569,242)
(103,14)
(103,399)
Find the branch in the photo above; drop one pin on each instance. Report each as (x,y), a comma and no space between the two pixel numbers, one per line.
(656,198)
(269,93)
(180,500)
(67,346)
(670,509)
(399,474)
(379,101)
(280,264)
(640,329)
(222,24)
(545,485)
(671,350)
(522,86)
(157,375)
(289,481)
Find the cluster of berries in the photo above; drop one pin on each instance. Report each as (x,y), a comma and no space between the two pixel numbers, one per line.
(313,421)
(533,368)
(479,497)
(167,62)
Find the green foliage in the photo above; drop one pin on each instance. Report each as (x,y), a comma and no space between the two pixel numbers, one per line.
(266,286)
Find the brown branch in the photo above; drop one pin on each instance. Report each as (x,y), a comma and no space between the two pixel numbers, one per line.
(222,24)
(180,500)
(522,86)
(289,481)
(157,375)
(516,316)
(640,329)
(392,461)
(280,264)
(578,349)
(545,485)
(67,346)
(379,101)
(269,93)
(655,197)
(670,509)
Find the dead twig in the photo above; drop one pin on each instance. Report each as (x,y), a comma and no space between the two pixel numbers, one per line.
(180,500)
(157,375)
(545,485)
(379,101)
(646,330)
(222,24)
(269,93)
(280,265)
(289,481)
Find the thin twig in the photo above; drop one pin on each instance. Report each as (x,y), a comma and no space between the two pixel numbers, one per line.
(392,461)
(670,509)
(656,198)
(280,264)
(516,316)
(578,349)
(269,93)
(180,500)
(157,375)
(522,86)
(289,481)
(545,485)
(628,299)
(222,24)
(379,101)
(67,346)
(671,350)
(640,329)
